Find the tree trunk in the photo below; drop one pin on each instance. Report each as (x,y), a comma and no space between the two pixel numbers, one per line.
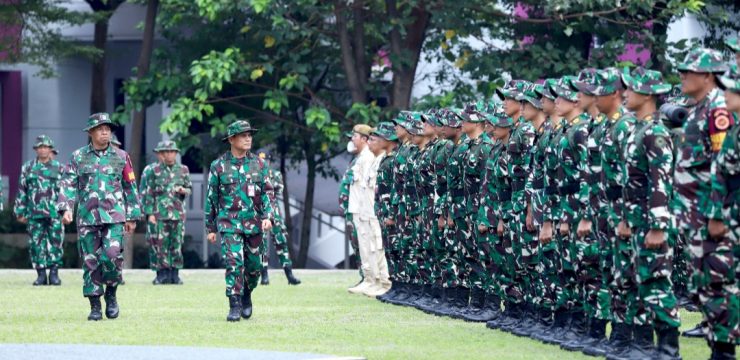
(406,51)
(142,69)
(307,208)
(660,35)
(288,220)
(97,90)
(350,64)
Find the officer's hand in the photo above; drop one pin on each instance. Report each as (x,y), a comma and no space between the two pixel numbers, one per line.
(450,223)
(22,220)
(389,222)
(500,227)
(129,227)
(441,222)
(717,228)
(211,237)
(623,230)
(530,220)
(67,217)
(152,220)
(564,229)
(654,239)
(584,228)
(546,233)
(482,228)
(266,225)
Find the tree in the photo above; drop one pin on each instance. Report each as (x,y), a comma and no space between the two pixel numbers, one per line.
(103,10)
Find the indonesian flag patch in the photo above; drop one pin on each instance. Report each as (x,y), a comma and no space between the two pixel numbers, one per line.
(128,171)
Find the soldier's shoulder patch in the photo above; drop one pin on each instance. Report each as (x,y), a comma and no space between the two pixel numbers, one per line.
(128,171)
(720,120)
(660,141)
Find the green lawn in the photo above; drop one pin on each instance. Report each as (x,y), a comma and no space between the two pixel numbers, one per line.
(319,316)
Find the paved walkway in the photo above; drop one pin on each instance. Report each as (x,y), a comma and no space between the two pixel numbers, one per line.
(84,352)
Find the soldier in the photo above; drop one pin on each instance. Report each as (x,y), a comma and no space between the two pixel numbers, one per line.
(114,141)
(386,139)
(164,189)
(734,45)
(35,204)
(705,129)
(100,180)
(151,228)
(646,218)
(279,232)
(238,208)
(349,225)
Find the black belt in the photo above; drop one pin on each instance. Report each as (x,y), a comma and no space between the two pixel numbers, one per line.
(614,193)
(551,190)
(632,194)
(538,184)
(733,184)
(503,196)
(568,189)
(517,185)
(457,192)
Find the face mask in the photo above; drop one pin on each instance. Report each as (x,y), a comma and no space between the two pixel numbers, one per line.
(351,148)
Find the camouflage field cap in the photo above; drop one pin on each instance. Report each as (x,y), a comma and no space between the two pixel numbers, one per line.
(703,60)
(114,140)
(408,120)
(432,117)
(585,81)
(511,89)
(416,124)
(451,117)
(98,119)
(502,120)
(646,82)
(238,127)
(43,140)
(730,83)
(532,95)
(562,89)
(475,112)
(385,130)
(545,89)
(733,44)
(166,146)
(607,82)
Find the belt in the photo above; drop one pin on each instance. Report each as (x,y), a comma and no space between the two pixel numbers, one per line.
(538,184)
(632,194)
(568,189)
(733,183)
(517,185)
(613,193)
(503,196)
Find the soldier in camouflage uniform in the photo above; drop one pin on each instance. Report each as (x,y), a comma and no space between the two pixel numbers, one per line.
(38,189)
(165,187)
(417,191)
(151,228)
(237,207)
(705,130)
(100,180)
(385,133)
(734,45)
(646,218)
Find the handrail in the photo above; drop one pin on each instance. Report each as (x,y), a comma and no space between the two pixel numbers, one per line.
(318,217)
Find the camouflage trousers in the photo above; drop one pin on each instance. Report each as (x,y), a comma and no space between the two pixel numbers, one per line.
(529,246)
(625,305)
(571,294)
(351,231)
(681,264)
(408,247)
(279,235)
(165,244)
(492,254)
(437,254)
(513,266)
(45,242)
(587,270)
(548,284)
(653,277)
(606,266)
(449,259)
(101,251)
(714,285)
(390,246)
(420,252)
(470,273)
(243,261)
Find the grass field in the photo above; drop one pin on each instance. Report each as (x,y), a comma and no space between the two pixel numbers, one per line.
(318,316)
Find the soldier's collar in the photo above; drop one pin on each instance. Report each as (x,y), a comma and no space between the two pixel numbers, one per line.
(617,114)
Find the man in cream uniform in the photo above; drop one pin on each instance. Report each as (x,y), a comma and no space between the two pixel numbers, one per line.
(361,206)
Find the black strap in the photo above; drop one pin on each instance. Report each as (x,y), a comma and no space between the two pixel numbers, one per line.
(614,193)
(568,189)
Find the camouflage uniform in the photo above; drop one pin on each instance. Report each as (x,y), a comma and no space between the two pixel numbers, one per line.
(151,229)
(383,206)
(236,204)
(426,181)
(705,130)
(349,225)
(102,184)
(279,233)
(38,189)
(160,198)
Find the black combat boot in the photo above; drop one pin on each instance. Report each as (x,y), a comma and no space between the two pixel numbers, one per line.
(175,276)
(579,326)
(545,324)
(54,276)
(41,278)
(390,293)
(111,303)
(402,293)
(235,308)
(568,333)
(95,308)
(491,308)
(514,318)
(597,345)
(166,277)
(620,340)
(426,296)
(667,347)
(528,323)
(447,299)
(246,304)
(461,303)
(641,346)
(696,332)
(722,351)
(264,276)
(292,280)
(477,300)
(161,278)
(560,322)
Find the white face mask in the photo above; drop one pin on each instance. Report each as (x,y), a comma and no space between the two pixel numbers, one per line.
(351,148)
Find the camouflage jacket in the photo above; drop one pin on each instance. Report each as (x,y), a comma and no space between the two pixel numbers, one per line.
(344,187)
(383,208)
(401,176)
(103,185)
(572,154)
(158,195)
(455,202)
(237,199)
(425,179)
(551,206)
(596,201)
(520,163)
(648,157)
(496,189)
(725,199)
(474,170)
(704,131)
(536,178)
(441,152)
(618,127)
(38,189)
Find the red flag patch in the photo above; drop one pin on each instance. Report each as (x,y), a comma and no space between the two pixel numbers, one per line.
(128,171)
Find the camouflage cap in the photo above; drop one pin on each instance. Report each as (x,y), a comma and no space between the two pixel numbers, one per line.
(475,112)
(43,140)
(406,120)
(114,140)
(646,82)
(545,89)
(562,89)
(730,83)
(432,117)
(166,146)
(98,119)
(733,44)
(502,120)
(511,89)
(451,117)
(532,95)
(585,81)
(238,127)
(703,60)
(607,82)
(385,130)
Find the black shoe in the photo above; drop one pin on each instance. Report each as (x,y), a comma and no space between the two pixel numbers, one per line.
(545,323)
(417,291)
(505,318)
(111,304)
(514,317)
(641,346)
(95,309)
(41,278)
(446,299)
(264,276)
(723,351)
(390,293)
(696,332)
(462,300)
(246,304)
(54,276)
(598,345)
(235,308)
(474,309)
(667,347)
(620,340)
(292,280)
(175,277)
(161,277)
(560,322)
(528,323)
(403,292)
(579,326)
(490,310)
(436,300)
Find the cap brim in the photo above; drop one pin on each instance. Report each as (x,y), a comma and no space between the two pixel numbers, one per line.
(582,86)
(251,131)
(93,127)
